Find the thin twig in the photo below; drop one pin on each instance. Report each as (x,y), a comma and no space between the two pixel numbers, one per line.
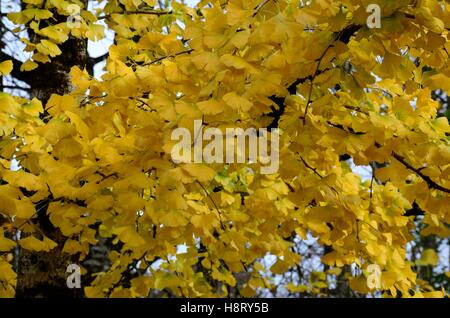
(258,7)
(310,168)
(319,61)
(168,56)
(214,203)
(154,12)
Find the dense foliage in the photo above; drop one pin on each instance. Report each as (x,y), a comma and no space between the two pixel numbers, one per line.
(93,164)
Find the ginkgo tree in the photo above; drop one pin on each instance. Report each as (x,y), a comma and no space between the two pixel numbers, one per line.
(87,160)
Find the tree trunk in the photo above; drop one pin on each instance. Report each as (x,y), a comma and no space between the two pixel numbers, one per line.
(43,274)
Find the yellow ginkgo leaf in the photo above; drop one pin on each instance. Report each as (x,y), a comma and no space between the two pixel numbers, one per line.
(28,65)
(33,244)
(34,107)
(48,48)
(5,243)
(6,67)
(237,102)
(429,257)
(128,235)
(7,274)
(200,172)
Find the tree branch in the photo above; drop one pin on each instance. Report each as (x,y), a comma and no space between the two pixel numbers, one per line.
(343,36)
(431,183)
(98,59)
(426,178)
(414,211)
